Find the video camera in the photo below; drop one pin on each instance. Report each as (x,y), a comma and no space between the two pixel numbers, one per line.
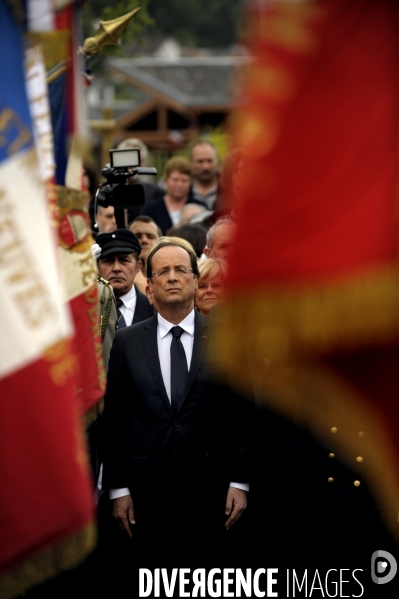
(117,191)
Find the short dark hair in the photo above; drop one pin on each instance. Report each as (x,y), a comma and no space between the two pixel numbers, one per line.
(194,233)
(98,206)
(143,218)
(201,142)
(193,258)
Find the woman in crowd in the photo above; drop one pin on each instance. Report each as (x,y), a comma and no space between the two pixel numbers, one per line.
(210,284)
(166,210)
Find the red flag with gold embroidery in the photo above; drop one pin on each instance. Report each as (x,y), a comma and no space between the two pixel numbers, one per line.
(80,284)
(57,33)
(320,289)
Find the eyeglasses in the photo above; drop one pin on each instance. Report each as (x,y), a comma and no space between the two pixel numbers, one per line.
(180,271)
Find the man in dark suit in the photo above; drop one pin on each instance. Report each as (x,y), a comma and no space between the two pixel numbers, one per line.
(119,264)
(176,458)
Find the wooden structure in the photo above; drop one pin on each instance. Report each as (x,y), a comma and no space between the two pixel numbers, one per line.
(178,99)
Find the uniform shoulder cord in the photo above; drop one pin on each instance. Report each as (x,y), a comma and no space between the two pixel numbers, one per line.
(106,305)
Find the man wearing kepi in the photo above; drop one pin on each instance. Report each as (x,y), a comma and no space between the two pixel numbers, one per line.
(176,459)
(119,264)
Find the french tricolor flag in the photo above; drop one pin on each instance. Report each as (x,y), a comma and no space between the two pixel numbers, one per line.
(46,501)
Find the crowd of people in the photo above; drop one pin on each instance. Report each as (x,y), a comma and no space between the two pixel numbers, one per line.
(177,451)
(190,191)
(187,471)
(184,208)
(170,429)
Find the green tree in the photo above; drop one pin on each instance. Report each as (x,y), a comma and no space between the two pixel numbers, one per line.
(205,23)
(95,11)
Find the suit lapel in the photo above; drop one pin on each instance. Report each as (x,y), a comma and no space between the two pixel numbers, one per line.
(201,333)
(137,316)
(151,351)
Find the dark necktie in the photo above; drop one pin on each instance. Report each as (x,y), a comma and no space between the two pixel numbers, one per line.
(178,368)
(121,322)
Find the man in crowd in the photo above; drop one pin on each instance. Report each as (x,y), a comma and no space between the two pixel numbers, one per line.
(219,239)
(151,189)
(105,219)
(176,459)
(119,264)
(205,171)
(147,233)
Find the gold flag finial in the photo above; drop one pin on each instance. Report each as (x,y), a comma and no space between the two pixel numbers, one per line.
(109,33)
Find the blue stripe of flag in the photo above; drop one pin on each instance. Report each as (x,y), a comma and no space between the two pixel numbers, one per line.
(15,122)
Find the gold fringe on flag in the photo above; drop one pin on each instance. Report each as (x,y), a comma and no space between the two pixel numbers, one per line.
(47,564)
(271,345)
(282,323)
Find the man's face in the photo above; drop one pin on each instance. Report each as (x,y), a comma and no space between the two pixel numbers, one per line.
(119,270)
(222,242)
(204,163)
(147,234)
(171,287)
(106,219)
(178,185)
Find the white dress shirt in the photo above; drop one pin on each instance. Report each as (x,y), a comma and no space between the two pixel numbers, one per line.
(164,339)
(129,305)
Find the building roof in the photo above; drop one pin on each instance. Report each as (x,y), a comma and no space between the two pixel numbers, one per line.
(192,82)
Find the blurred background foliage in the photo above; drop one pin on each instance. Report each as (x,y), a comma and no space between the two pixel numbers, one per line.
(197,23)
(95,11)
(193,23)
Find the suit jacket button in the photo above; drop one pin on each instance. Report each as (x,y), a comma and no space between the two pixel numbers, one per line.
(176,423)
